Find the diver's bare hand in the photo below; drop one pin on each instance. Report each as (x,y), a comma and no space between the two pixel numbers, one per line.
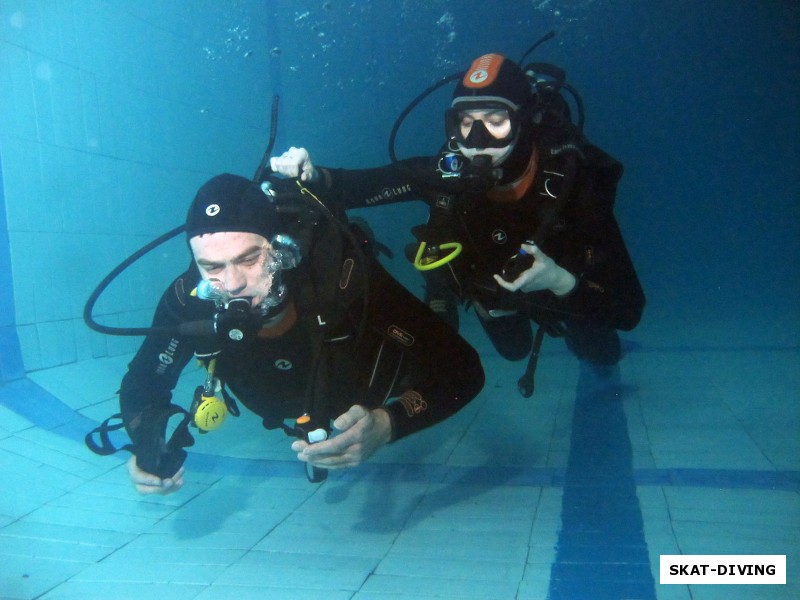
(363,431)
(295,162)
(544,274)
(147,483)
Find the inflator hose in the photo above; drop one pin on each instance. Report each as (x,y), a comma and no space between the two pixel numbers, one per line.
(273,132)
(101,287)
(192,328)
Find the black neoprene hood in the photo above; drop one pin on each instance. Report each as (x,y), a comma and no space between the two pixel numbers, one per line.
(231,203)
(492,79)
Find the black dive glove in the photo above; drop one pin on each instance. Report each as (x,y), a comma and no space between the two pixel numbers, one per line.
(154,454)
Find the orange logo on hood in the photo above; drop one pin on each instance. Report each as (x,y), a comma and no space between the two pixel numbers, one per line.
(483,71)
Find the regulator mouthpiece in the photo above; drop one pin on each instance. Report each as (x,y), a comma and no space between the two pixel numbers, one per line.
(212,289)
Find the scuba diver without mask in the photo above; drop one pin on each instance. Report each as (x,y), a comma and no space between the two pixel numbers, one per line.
(241,266)
(246,268)
(343,346)
(387,368)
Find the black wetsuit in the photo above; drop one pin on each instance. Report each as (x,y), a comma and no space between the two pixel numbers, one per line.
(406,359)
(582,237)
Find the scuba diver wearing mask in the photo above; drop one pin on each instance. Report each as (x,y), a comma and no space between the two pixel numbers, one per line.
(285,309)
(488,121)
(521,224)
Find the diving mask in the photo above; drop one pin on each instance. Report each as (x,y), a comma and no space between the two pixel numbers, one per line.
(490,129)
(485,125)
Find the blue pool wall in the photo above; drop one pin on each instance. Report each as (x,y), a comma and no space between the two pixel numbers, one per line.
(113,113)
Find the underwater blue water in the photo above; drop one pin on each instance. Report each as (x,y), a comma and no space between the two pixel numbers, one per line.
(113,112)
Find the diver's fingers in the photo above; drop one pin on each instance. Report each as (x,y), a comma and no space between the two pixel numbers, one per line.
(353,415)
(290,163)
(511,286)
(147,483)
(363,431)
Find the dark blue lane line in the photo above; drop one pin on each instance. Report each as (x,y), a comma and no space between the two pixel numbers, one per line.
(788,481)
(601,552)
(49,413)
(10,353)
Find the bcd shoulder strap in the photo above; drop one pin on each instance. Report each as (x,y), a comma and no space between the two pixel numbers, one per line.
(555,185)
(154,455)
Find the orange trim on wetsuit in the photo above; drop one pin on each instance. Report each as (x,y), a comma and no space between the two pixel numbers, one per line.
(278,329)
(514,191)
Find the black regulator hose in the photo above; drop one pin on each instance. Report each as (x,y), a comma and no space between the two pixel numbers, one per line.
(190,328)
(399,121)
(546,37)
(578,103)
(273,132)
(101,287)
